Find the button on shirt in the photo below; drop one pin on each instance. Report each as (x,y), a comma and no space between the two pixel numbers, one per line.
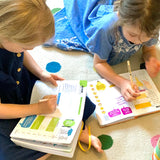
(19,69)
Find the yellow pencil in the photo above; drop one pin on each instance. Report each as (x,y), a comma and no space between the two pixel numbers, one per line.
(130,72)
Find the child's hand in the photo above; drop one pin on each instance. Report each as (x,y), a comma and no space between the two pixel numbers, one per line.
(47,77)
(153,66)
(47,104)
(128,91)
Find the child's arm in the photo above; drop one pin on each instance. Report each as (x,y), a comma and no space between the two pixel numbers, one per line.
(33,67)
(151,61)
(45,106)
(105,70)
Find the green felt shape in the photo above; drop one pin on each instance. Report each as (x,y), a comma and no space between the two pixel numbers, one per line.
(83,83)
(106,141)
(69,123)
(54,10)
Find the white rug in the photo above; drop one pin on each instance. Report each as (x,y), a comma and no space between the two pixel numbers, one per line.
(132,139)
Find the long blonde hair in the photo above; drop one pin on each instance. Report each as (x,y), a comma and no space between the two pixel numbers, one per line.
(26,21)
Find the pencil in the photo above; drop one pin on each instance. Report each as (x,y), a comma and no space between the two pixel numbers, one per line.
(130,72)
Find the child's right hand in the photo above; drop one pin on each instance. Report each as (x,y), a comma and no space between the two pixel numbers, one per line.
(47,104)
(128,91)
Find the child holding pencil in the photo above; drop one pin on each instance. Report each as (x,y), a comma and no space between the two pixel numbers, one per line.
(112,31)
(25,24)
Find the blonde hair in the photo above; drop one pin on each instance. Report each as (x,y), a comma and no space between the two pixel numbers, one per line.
(26,21)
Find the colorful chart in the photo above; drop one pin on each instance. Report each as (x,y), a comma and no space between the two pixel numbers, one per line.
(111,107)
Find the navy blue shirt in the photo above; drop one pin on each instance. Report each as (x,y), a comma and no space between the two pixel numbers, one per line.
(16,84)
(15,81)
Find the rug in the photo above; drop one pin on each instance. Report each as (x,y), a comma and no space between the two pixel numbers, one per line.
(131,139)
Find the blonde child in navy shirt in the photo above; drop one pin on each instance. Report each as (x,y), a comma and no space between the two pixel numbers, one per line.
(25,24)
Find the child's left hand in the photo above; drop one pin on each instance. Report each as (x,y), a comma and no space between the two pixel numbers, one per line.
(50,77)
(153,66)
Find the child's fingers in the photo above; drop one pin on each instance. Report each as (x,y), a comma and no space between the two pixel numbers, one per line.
(58,77)
(130,95)
(49,96)
(52,96)
(53,81)
(135,88)
(127,96)
(133,93)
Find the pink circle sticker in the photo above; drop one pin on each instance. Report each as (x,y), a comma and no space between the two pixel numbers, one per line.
(154,140)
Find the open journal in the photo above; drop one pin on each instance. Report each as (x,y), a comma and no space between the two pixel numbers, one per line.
(55,133)
(111,107)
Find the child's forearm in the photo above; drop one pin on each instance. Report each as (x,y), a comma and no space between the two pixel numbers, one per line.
(106,71)
(32,65)
(11,111)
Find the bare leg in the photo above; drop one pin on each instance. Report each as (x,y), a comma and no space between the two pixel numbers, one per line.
(44,157)
(95,142)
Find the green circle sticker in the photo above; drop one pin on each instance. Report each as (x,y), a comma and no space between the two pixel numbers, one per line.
(55,10)
(106,141)
(69,122)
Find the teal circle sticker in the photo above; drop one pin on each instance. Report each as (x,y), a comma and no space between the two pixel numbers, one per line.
(53,67)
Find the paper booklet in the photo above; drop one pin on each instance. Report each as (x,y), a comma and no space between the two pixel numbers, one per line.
(111,108)
(55,133)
